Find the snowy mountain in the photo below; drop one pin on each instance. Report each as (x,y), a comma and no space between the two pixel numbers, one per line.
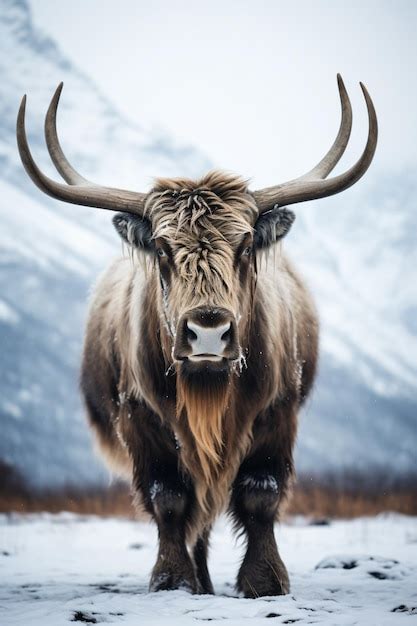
(50,253)
(359,261)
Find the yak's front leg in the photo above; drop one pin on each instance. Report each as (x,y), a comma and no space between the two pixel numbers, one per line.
(260,486)
(171,499)
(166,493)
(255,502)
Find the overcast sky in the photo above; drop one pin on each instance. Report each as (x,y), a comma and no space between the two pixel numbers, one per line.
(251,83)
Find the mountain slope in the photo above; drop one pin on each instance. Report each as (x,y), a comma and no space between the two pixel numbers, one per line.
(50,253)
(359,261)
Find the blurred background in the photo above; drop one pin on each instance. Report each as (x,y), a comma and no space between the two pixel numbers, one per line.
(167,89)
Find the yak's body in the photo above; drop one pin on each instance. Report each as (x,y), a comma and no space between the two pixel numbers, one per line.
(130,389)
(196,361)
(125,373)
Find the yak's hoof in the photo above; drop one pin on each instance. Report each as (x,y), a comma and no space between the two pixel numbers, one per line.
(263,579)
(172,577)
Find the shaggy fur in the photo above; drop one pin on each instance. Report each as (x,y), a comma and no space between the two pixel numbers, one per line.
(202,401)
(207,434)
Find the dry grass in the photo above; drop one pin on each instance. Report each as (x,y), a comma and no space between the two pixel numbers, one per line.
(114,501)
(322,499)
(347,497)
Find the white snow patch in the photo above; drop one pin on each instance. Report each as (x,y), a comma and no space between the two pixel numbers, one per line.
(55,569)
(12,409)
(156,488)
(7,314)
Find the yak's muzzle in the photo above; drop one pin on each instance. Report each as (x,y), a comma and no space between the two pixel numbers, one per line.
(207,334)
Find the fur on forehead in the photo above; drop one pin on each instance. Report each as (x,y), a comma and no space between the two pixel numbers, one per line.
(216,206)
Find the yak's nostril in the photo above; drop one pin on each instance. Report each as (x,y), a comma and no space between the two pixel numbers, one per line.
(190,334)
(227,335)
(208,340)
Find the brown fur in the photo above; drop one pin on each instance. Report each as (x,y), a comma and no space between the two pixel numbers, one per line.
(129,377)
(204,411)
(120,312)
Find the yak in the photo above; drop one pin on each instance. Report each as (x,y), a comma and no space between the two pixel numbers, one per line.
(198,356)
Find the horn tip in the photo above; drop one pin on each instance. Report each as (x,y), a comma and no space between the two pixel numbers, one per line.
(340,82)
(20,121)
(22,107)
(342,89)
(364,90)
(58,90)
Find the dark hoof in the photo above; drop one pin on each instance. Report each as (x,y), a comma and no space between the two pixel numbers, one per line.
(263,579)
(170,578)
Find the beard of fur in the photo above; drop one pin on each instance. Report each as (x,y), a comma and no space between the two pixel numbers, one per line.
(202,397)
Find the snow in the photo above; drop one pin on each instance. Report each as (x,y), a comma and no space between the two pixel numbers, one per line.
(58,569)
(7,314)
(267,482)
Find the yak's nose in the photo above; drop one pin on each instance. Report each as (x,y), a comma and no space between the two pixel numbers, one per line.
(207,342)
(207,334)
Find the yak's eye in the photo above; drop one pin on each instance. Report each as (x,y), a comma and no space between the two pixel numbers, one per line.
(161,253)
(247,251)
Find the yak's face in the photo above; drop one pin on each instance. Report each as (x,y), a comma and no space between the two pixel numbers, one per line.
(204,236)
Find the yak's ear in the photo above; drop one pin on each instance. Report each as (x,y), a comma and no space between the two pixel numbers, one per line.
(272,226)
(135,230)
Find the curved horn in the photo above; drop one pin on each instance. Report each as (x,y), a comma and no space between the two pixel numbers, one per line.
(332,158)
(79,191)
(68,173)
(313,185)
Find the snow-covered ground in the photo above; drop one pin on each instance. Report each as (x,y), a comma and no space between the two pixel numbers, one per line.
(57,569)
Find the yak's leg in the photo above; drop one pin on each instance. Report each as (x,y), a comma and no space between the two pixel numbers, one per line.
(255,506)
(260,485)
(171,500)
(166,493)
(200,559)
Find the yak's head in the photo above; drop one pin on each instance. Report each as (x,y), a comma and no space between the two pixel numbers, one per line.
(203,237)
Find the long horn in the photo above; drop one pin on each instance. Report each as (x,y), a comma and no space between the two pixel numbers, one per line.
(313,185)
(79,191)
(64,167)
